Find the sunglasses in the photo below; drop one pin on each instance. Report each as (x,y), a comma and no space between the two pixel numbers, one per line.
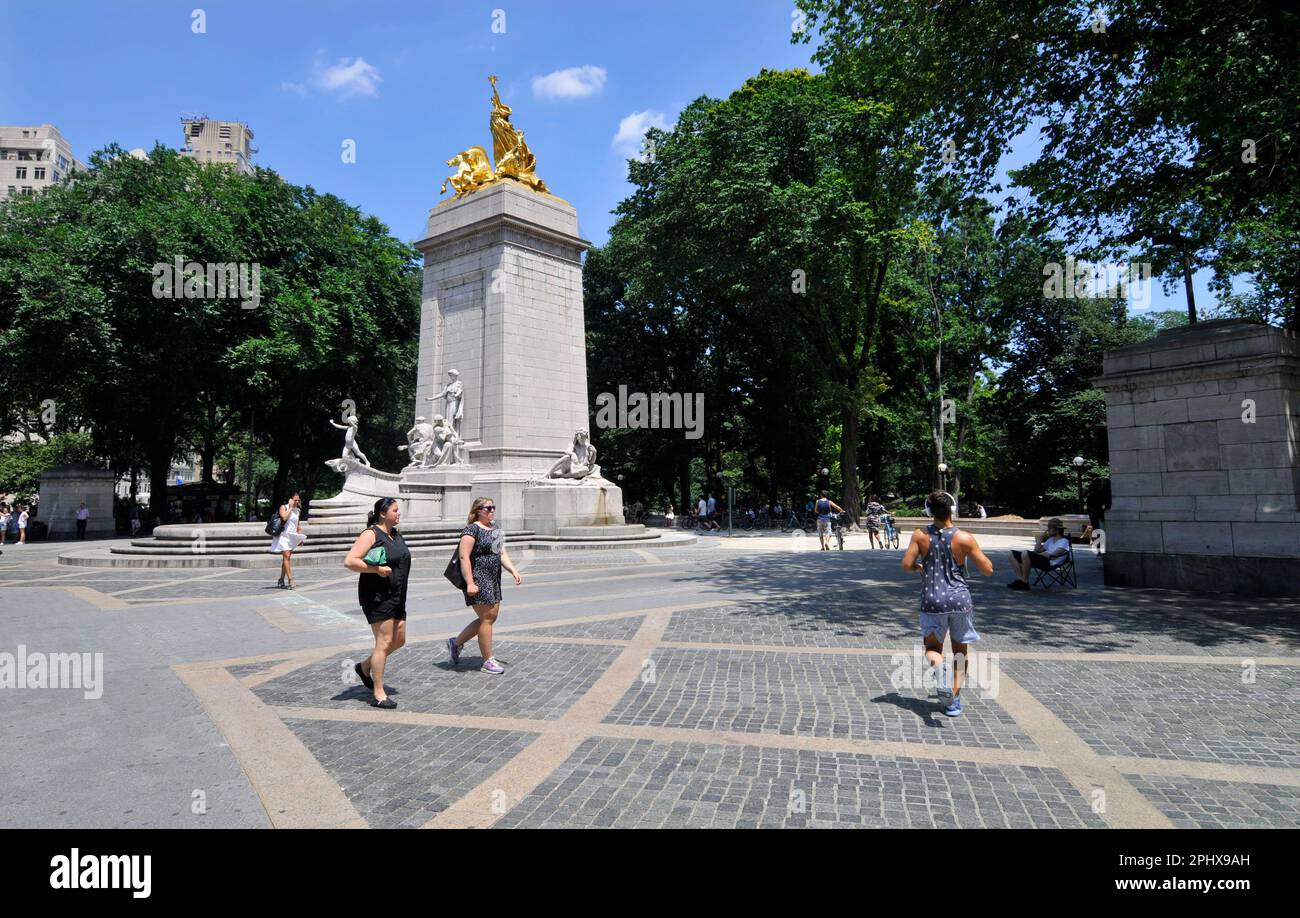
(487,509)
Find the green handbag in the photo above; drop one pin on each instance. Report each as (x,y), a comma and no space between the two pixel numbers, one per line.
(376,556)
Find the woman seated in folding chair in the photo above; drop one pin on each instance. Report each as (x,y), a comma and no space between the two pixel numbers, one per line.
(1051,552)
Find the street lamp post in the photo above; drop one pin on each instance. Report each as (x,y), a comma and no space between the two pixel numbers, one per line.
(1078,469)
(943,477)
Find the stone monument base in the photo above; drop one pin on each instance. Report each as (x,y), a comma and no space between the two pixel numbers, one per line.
(431,495)
(1204,430)
(1202,573)
(552,505)
(442,493)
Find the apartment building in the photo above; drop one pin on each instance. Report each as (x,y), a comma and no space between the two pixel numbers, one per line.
(33,157)
(212,141)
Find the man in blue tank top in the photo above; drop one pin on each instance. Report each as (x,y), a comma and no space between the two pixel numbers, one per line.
(939,553)
(824,507)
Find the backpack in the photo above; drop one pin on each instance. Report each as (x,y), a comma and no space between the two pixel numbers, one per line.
(274,525)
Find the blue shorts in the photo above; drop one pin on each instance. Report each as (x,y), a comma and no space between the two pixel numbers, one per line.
(961,624)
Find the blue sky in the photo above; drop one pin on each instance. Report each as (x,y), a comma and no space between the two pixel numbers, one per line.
(407,82)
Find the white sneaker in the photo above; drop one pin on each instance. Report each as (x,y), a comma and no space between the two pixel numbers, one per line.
(943,679)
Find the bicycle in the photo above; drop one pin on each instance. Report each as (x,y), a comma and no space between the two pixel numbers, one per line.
(890,536)
(837,529)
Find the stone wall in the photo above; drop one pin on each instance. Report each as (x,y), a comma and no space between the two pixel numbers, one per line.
(64,488)
(1203,424)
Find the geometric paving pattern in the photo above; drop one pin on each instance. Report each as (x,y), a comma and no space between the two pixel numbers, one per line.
(804,694)
(646,784)
(544,680)
(786,711)
(401,776)
(1201,804)
(1172,711)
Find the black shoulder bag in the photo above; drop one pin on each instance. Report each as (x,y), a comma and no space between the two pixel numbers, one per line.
(453,572)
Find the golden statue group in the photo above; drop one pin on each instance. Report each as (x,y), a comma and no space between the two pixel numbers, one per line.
(513,158)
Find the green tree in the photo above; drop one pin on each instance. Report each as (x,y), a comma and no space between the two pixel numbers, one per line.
(90,325)
(1169,129)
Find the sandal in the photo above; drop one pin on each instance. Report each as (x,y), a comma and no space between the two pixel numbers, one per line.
(387,704)
(365,680)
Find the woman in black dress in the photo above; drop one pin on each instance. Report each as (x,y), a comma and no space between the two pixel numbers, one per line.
(482,555)
(381,590)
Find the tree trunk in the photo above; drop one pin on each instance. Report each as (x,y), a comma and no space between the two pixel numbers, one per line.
(160,461)
(963,424)
(684,484)
(849,458)
(1187,281)
(281,483)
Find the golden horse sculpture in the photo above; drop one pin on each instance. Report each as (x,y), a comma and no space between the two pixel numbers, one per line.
(473,171)
(513,158)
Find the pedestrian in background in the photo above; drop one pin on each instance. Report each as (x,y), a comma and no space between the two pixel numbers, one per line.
(288,539)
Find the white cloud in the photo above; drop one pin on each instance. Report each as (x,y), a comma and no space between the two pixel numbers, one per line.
(573,83)
(349,77)
(631,131)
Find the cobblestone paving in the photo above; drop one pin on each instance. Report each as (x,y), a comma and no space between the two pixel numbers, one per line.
(619,629)
(1170,711)
(797,622)
(1196,804)
(251,669)
(738,764)
(541,681)
(544,562)
(400,776)
(803,694)
(1087,621)
(647,784)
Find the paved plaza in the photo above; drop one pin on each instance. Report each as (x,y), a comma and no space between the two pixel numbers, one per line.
(746,682)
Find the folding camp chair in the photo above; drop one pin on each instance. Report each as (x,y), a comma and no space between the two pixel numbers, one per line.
(1061,575)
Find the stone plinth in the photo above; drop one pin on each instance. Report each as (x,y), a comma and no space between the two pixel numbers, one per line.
(1204,428)
(441,493)
(502,304)
(566,507)
(65,487)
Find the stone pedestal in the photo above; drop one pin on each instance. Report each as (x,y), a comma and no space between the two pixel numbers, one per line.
(62,491)
(502,304)
(437,494)
(1204,428)
(558,504)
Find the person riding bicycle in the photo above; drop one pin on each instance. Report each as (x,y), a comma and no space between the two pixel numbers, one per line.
(824,507)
